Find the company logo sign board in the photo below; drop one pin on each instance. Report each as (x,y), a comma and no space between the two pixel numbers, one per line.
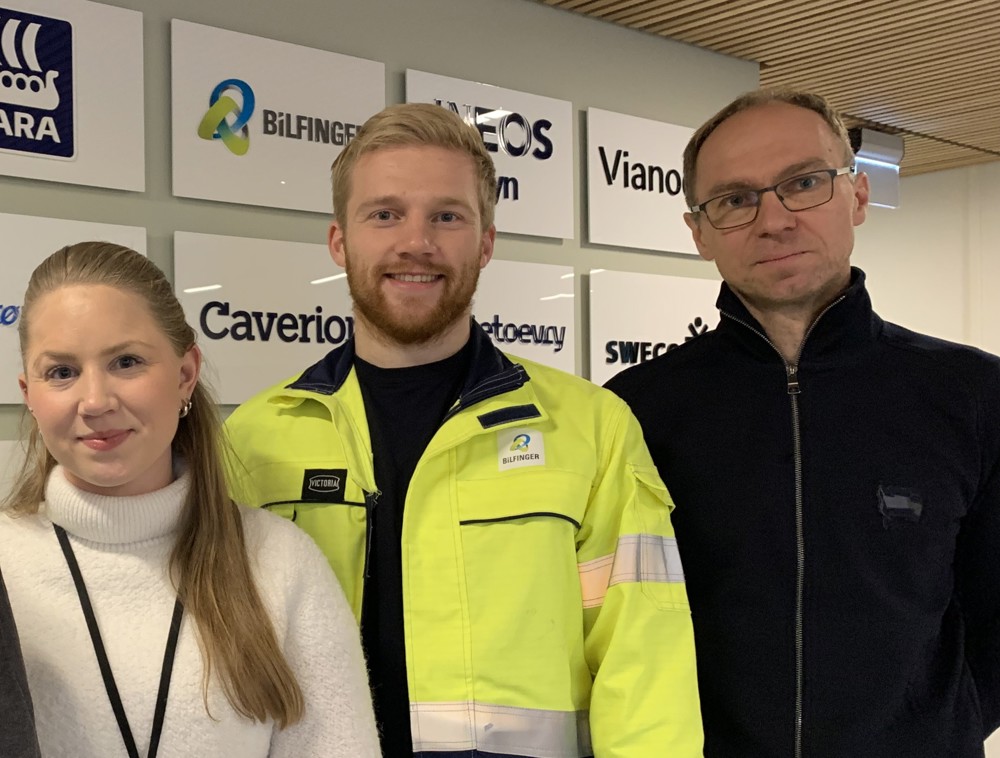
(528,311)
(637,317)
(28,240)
(531,140)
(71,105)
(634,171)
(258,121)
(264,310)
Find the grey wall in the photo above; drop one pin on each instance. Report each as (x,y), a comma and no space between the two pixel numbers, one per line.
(933,264)
(517,44)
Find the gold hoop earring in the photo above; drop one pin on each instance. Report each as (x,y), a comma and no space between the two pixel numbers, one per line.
(186,408)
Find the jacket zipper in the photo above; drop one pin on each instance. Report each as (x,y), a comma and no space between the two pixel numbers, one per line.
(371,500)
(792,381)
(800,552)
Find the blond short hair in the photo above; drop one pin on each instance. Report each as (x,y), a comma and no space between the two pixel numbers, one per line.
(417,124)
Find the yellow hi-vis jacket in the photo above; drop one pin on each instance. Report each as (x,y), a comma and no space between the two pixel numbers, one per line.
(543,597)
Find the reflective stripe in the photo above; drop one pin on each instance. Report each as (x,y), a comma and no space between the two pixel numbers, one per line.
(646,558)
(638,558)
(594,578)
(455,726)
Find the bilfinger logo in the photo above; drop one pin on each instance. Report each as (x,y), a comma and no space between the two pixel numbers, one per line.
(215,125)
(520,442)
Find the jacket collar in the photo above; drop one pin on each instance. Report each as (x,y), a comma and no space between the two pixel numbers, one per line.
(848,324)
(490,371)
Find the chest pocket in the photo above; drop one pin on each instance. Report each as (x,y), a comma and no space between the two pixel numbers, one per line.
(524,495)
(283,487)
(519,533)
(324,502)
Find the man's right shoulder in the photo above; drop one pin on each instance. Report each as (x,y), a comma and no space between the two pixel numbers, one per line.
(259,406)
(652,376)
(259,429)
(320,377)
(263,438)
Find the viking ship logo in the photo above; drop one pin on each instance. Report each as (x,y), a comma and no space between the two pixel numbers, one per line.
(36,84)
(32,90)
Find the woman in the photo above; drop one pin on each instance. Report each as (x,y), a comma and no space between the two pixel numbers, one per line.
(156,617)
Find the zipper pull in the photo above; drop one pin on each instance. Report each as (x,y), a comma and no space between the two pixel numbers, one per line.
(793,379)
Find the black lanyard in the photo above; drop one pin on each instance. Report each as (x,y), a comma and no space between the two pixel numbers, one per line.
(102,657)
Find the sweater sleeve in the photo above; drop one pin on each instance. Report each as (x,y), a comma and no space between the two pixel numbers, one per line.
(639,637)
(322,645)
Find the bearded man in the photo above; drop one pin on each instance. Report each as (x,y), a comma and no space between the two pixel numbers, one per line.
(497,525)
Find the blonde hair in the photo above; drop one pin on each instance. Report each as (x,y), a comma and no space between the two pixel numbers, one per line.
(417,124)
(209,565)
(755,99)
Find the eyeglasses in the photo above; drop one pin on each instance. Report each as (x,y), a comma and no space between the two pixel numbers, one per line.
(797,194)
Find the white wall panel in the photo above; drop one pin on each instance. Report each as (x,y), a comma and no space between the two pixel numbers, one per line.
(637,317)
(85,124)
(264,310)
(527,308)
(634,191)
(530,138)
(259,121)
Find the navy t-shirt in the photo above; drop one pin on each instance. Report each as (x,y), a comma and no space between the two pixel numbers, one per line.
(404,407)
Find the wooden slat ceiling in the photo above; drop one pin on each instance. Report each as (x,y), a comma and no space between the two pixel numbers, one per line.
(926,69)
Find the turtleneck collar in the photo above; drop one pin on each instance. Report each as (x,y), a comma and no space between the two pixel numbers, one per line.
(114,520)
(847,325)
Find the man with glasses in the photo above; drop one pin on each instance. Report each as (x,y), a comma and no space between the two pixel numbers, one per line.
(837,477)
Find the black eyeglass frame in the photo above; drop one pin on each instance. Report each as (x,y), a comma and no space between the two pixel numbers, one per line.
(833,173)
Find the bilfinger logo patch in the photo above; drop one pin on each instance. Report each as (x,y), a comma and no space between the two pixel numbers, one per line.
(520,447)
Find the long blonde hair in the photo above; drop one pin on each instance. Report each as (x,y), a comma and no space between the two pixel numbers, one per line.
(209,565)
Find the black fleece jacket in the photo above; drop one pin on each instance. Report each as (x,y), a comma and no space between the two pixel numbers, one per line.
(839,524)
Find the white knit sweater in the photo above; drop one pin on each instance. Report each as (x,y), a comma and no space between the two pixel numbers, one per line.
(122,545)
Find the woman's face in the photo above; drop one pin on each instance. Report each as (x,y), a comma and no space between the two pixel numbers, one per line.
(105,387)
